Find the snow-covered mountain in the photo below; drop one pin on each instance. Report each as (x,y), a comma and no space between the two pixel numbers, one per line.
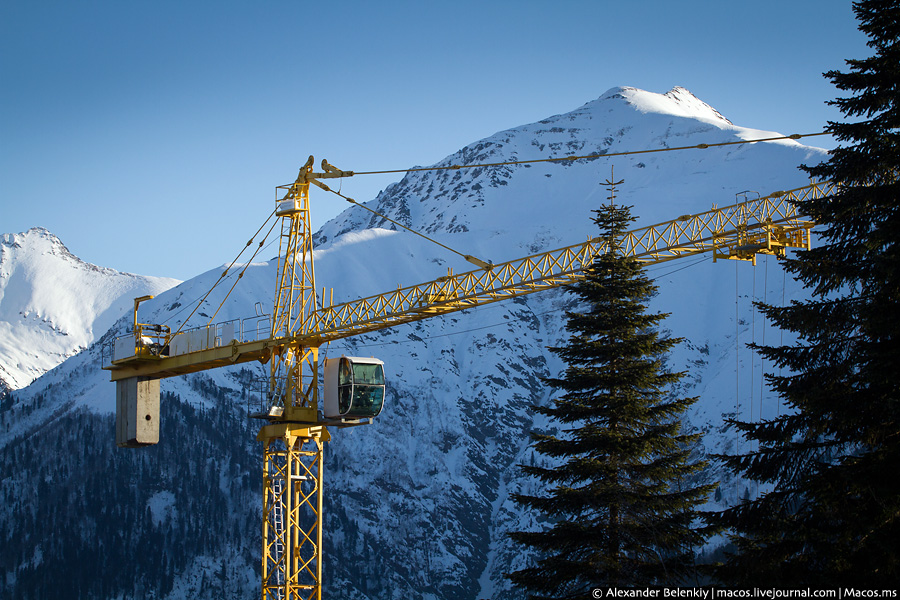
(418,504)
(54,305)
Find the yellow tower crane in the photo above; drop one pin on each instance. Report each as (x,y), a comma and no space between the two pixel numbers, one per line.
(298,422)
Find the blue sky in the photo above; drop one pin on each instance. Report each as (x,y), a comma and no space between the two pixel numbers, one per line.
(149,136)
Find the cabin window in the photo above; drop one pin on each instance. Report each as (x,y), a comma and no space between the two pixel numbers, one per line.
(360,388)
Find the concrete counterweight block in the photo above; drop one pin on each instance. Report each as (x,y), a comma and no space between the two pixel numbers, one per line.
(137,412)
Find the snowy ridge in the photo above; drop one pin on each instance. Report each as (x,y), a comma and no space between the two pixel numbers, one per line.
(418,504)
(53,304)
(677,102)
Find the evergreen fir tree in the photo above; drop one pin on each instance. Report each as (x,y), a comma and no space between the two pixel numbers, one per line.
(832,462)
(620,494)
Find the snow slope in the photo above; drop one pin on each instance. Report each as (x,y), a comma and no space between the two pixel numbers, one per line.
(53,305)
(418,504)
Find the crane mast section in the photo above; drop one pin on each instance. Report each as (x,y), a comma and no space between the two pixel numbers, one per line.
(740,231)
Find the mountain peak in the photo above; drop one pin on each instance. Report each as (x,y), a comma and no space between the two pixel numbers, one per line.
(53,304)
(622,121)
(678,102)
(11,239)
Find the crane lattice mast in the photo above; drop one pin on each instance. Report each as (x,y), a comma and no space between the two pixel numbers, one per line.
(293,443)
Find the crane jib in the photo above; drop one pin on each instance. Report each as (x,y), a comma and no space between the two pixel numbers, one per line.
(740,231)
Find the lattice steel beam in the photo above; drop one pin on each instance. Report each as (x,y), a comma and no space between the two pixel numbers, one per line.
(764,225)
